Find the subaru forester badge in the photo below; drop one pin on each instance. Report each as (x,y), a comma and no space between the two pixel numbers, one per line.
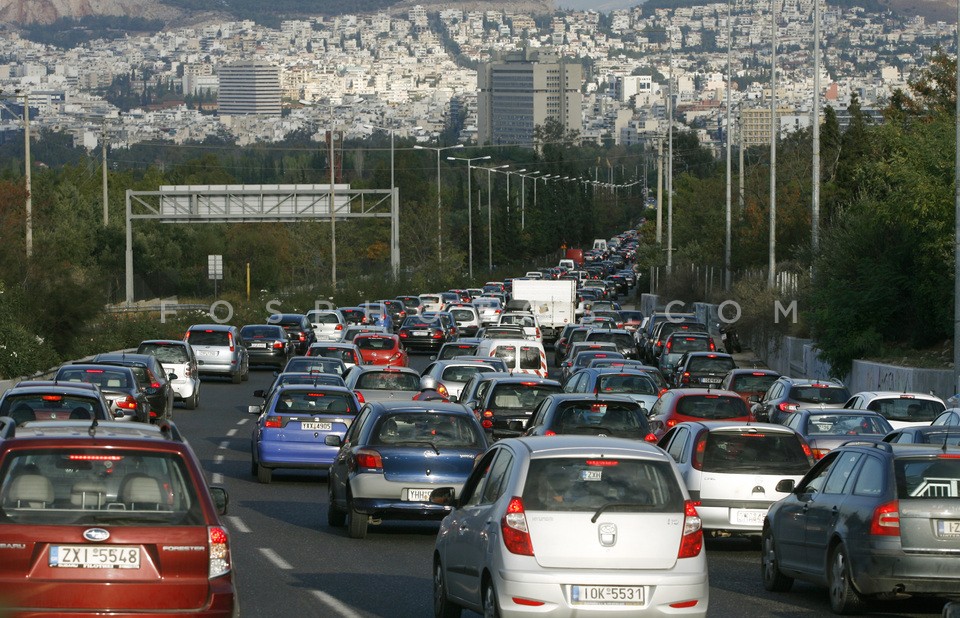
(608,534)
(96,534)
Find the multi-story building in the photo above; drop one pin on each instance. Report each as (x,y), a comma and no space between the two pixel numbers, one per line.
(249,88)
(522,90)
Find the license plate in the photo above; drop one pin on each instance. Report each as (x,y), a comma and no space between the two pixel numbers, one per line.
(258,344)
(948,527)
(95,556)
(751,517)
(316,426)
(711,380)
(606,595)
(418,495)
(206,353)
(420,333)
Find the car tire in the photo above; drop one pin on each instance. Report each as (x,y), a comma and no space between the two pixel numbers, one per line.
(264,475)
(253,467)
(356,523)
(443,607)
(336,518)
(246,373)
(235,377)
(773,579)
(192,401)
(490,607)
(843,598)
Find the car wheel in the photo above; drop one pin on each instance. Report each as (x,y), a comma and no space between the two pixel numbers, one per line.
(335,516)
(843,598)
(246,373)
(236,377)
(264,475)
(193,401)
(253,467)
(773,579)
(442,606)
(356,522)
(490,607)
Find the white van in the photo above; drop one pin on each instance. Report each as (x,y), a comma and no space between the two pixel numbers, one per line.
(600,244)
(520,355)
(568,264)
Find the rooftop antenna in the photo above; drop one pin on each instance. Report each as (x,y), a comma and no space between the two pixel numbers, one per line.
(93,428)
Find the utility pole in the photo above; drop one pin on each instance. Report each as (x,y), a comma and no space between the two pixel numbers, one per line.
(727,280)
(659,190)
(741,174)
(333,206)
(815,215)
(956,242)
(103,143)
(670,160)
(772,267)
(26,174)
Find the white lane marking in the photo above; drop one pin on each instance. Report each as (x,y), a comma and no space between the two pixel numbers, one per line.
(337,605)
(224,444)
(216,478)
(237,524)
(232,432)
(275,558)
(243,421)
(218,459)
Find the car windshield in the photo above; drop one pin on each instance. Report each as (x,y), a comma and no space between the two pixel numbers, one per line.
(463,315)
(679,345)
(322,364)
(51,406)
(375,343)
(209,337)
(613,418)
(104,378)
(711,407)
(711,364)
(389,381)
(626,383)
(262,332)
(928,477)
(587,484)
(457,349)
(463,373)
(754,452)
(91,486)
(820,394)
(907,409)
(520,395)
(845,424)
(751,383)
(314,402)
(166,352)
(437,429)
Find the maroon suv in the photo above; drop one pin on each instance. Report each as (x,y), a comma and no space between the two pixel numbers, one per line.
(111,518)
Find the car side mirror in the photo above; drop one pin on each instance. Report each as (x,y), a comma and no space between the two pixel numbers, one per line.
(172,376)
(444,496)
(254,410)
(220,499)
(333,440)
(259,393)
(786,486)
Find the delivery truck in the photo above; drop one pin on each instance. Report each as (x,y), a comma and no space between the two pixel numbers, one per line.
(553,301)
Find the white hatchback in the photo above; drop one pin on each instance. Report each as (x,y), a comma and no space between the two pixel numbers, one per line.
(177,358)
(571,525)
(328,324)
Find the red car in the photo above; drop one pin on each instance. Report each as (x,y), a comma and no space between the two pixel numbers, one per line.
(381,349)
(750,384)
(110,519)
(696,404)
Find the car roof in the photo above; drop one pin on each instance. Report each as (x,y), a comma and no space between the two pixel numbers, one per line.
(45,386)
(356,369)
(125,357)
(897,395)
(575,445)
(592,397)
(710,354)
(330,388)
(839,411)
(93,365)
(702,391)
(81,429)
(739,426)
(420,406)
(179,342)
(753,370)
(516,378)
(212,327)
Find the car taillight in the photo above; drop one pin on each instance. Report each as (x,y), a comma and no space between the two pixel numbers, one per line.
(669,346)
(712,345)
(513,527)
(277,345)
(486,423)
(395,357)
(807,451)
(219,551)
(339,327)
(886,520)
(360,398)
(537,331)
(404,334)
(303,337)
(699,451)
(788,407)
(187,372)
(127,403)
(273,421)
(672,422)
(549,432)
(692,541)
(368,460)
(662,391)
(437,334)
(818,453)
(651,438)
(230,339)
(685,378)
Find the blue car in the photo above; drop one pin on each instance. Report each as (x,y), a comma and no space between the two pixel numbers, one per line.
(293,427)
(395,455)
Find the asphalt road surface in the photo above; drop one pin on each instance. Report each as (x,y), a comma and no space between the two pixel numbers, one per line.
(287,562)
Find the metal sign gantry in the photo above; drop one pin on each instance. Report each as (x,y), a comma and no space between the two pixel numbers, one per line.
(260,203)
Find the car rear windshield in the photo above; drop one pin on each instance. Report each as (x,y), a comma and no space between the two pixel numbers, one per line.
(262,332)
(529,355)
(119,487)
(104,378)
(820,394)
(518,320)
(520,395)
(323,364)
(711,407)
(627,383)
(907,409)
(389,381)
(326,318)
(375,343)
(428,428)
(613,418)
(52,406)
(463,373)
(459,349)
(622,340)
(712,364)
(587,484)
(344,354)
(166,352)
(750,383)
(753,452)
(679,345)
(845,424)
(209,337)
(314,402)
(463,315)
(928,477)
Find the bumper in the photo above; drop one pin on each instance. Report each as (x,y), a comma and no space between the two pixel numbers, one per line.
(277,358)
(220,369)
(725,518)
(882,569)
(295,454)
(374,495)
(184,389)
(389,508)
(553,589)
(422,344)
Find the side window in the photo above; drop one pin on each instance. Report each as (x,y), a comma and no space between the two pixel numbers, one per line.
(678,444)
(658,407)
(538,414)
(813,482)
(793,422)
(842,471)
(497,481)
(354,430)
(472,489)
(870,479)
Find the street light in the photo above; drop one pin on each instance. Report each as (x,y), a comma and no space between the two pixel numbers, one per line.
(523,196)
(392,131)
(508,188)
(490,171)
(28,206)
(469,204)
(439,212)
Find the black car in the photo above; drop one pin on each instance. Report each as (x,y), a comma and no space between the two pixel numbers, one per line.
(704,369)
(618,416)
(464,346)
(267,344)
(153,379)
(397,310)
(507,403)
(125,397)
(871,520)
(298,328)
(420,333)
(937,435)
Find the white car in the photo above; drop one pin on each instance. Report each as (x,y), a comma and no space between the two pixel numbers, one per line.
(526,320)
(489,310)
(328,324)
(570,525)
(430,302)
(177,358)
(733,469)
(902,409)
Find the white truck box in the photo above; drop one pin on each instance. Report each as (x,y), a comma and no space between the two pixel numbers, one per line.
(552,301)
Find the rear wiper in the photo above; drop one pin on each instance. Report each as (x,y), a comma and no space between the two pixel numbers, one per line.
(603,508)
(427,442)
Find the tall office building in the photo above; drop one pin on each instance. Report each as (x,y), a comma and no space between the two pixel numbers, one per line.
(249,88)
(521,90)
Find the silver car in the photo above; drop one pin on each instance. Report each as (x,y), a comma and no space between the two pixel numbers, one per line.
(328,324)
(570,525)
(177,358)
(220,350)
(453,374)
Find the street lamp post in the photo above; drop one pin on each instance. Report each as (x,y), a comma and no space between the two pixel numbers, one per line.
(523,196)
(508,189)
(470,205)
(490,171)
(439,211)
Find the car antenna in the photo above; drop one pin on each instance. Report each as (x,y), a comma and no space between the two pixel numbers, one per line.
(93,428)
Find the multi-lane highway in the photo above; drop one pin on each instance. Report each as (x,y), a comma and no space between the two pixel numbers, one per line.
(289,563)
